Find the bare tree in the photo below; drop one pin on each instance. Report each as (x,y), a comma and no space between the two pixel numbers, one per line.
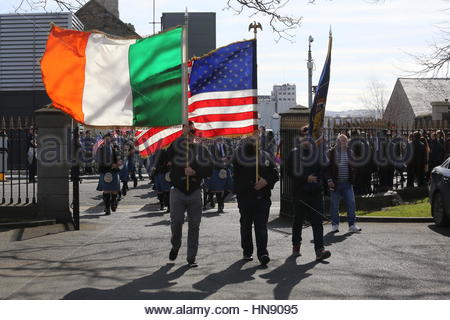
(281,24)
(435,63)
(375,97)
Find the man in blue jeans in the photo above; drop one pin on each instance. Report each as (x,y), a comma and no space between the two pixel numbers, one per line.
(341,174)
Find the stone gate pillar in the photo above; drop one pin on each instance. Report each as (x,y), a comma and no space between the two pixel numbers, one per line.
(53,164)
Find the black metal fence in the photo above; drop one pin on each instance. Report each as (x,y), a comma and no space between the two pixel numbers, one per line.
(379,174)
(18,165)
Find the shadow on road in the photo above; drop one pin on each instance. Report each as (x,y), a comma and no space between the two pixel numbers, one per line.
(287,276)
(332,238)
(151,214)
(96,209)
(160,280)
(441,230)
(231,275)
(151,207)
(163,279)
(159,223)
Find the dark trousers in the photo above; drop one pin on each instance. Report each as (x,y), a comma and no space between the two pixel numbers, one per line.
(308,207)
(415,174)
(254,211)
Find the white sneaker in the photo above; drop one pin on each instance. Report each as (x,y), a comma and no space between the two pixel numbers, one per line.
(354,228)
(335,228)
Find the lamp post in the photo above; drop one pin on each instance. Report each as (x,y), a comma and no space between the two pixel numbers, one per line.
(310,66)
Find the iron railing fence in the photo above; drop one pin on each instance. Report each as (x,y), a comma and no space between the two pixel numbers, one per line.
(18,165)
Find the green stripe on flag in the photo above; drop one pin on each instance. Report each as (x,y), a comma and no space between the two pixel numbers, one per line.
(155,76)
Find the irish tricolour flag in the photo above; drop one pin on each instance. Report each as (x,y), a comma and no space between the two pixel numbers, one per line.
(102,81)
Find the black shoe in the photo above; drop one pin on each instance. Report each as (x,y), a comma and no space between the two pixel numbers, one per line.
(173,254)
(107,201)
(192,263)
(220,210)
(113,202)
(124,191)
(322,255)
(264,259)
(296,250)
(247,257)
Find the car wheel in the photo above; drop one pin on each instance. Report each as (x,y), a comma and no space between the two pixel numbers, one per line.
(438,211)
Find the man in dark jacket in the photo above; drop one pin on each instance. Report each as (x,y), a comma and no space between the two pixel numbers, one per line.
(416,165)
(253,197)
(437,152)
(306,164)
(190,163)
(108,164)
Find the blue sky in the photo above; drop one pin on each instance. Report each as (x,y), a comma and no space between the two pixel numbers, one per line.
(370,40)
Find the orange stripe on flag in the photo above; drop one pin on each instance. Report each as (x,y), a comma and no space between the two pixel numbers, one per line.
(63,68)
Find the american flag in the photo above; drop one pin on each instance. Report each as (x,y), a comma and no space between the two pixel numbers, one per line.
(222,97)
(98,144)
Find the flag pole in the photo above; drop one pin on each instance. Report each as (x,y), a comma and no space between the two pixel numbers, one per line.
(255,25)
(185,80)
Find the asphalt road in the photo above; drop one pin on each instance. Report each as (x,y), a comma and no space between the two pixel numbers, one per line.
(125,256)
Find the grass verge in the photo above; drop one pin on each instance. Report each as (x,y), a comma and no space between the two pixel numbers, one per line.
(421,208)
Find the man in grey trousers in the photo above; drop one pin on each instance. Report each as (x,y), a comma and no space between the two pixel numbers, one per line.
(190,163)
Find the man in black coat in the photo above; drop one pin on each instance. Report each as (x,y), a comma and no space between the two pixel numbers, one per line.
(253,197)
(306,164)
(416,165)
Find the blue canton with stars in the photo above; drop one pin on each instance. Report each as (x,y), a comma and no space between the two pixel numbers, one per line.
(228,69)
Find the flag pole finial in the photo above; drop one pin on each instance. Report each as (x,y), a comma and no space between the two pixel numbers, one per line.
(255,26)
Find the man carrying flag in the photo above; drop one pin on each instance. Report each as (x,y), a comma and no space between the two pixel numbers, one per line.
(306,165)
(185,196)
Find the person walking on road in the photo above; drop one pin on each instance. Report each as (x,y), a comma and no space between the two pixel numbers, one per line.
(190,163)
(108,165)
(253,197)
(305,164)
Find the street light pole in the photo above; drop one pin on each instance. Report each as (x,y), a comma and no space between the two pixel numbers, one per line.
(310,66)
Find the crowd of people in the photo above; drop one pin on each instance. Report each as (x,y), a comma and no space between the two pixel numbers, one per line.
(195,174)
(397,158)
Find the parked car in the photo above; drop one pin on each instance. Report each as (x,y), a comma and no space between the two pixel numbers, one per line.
(440,194)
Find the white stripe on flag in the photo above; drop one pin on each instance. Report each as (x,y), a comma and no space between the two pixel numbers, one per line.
(225,124)
(222,110)
(140,133)
(107,97)
(159,136)
(223,95)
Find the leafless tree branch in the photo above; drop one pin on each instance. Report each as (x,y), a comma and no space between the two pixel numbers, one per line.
(281,24)
(375,97)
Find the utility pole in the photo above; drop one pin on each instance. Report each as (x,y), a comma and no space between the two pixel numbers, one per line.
(310,66)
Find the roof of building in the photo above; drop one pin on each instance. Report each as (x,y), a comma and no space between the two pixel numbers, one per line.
(296,110)
(422,91)
(95,16)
